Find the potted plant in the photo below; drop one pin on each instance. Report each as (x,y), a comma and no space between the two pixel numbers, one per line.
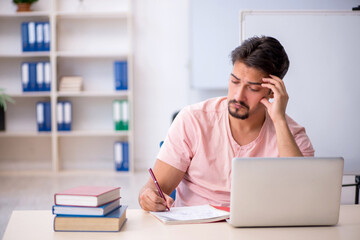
(3,99)
(24,5)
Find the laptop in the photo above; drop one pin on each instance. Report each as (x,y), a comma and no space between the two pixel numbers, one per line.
(294,191)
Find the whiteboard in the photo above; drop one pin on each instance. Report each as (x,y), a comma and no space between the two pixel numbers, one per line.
(323,80)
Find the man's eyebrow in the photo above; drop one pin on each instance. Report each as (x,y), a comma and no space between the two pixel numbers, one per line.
(252,83)
(255,83)
(235,77)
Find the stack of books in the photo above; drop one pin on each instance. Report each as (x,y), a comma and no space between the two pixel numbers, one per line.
(71,84)
(89,209)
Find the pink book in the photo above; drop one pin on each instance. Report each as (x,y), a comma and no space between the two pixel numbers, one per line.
(89,196)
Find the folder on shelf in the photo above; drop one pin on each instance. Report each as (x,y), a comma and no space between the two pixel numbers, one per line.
(121,76)
(47,76)
(59,116)
(124,121)
(121,114)
(64,115)
(43,116)
(67,116)
(40,83)
(31,36)
(39,28)
(46,44)
(121,156)
(32,76)
(116,114)
(25,81)
(25,37)
(40,116)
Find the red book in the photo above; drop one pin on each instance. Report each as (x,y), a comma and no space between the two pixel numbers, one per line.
(89,196)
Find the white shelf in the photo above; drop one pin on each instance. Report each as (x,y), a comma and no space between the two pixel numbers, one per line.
(24,14)
(87,54)
(87,37)
(93,133)
(82,15)
(120,94)
(25,55)
(25,134)
(30,94)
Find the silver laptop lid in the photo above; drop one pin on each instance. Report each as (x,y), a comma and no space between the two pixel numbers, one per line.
(285,191)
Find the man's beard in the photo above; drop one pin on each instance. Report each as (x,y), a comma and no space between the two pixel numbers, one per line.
(235,113)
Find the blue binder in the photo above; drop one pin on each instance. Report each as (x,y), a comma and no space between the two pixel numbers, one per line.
(24,37)
(120,73)
(31,36)
(121,156)
(40,116)
(64,115)
(47,76)
(43,116)
(40,82)
(25,81)
(60,116)
(46,36)
(47,116)
(39,30)
(67,116)
(32,76)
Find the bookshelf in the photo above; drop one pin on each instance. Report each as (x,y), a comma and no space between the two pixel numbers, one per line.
(87,36)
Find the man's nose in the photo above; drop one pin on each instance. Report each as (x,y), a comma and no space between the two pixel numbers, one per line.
(240,94)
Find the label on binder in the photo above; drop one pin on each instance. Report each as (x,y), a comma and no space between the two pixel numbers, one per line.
(59,113)
(67,112)
(47,76)
(25,75)
(125,111)
(31,33)
(40,112)
(118,154)
(40,75)
(116,110)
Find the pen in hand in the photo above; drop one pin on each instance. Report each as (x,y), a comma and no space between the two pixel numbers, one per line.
(157,186)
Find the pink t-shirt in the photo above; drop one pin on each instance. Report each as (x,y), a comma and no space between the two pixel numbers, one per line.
(200,143)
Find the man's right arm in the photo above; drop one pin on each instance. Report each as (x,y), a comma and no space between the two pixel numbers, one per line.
(168,178)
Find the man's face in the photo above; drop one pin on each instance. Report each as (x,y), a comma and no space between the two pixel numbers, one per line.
(245,91)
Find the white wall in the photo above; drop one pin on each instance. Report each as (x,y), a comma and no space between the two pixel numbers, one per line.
(161,75)
(162,43)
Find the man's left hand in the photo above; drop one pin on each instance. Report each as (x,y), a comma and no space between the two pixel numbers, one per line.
(277,108)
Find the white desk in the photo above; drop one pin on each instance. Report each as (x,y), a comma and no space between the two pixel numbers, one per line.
(141,225)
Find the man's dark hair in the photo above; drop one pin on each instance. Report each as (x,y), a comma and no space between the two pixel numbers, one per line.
(264,53)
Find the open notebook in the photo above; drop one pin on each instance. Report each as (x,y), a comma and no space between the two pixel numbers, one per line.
(193,214)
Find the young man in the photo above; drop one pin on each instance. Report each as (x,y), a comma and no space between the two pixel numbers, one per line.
(204,138)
